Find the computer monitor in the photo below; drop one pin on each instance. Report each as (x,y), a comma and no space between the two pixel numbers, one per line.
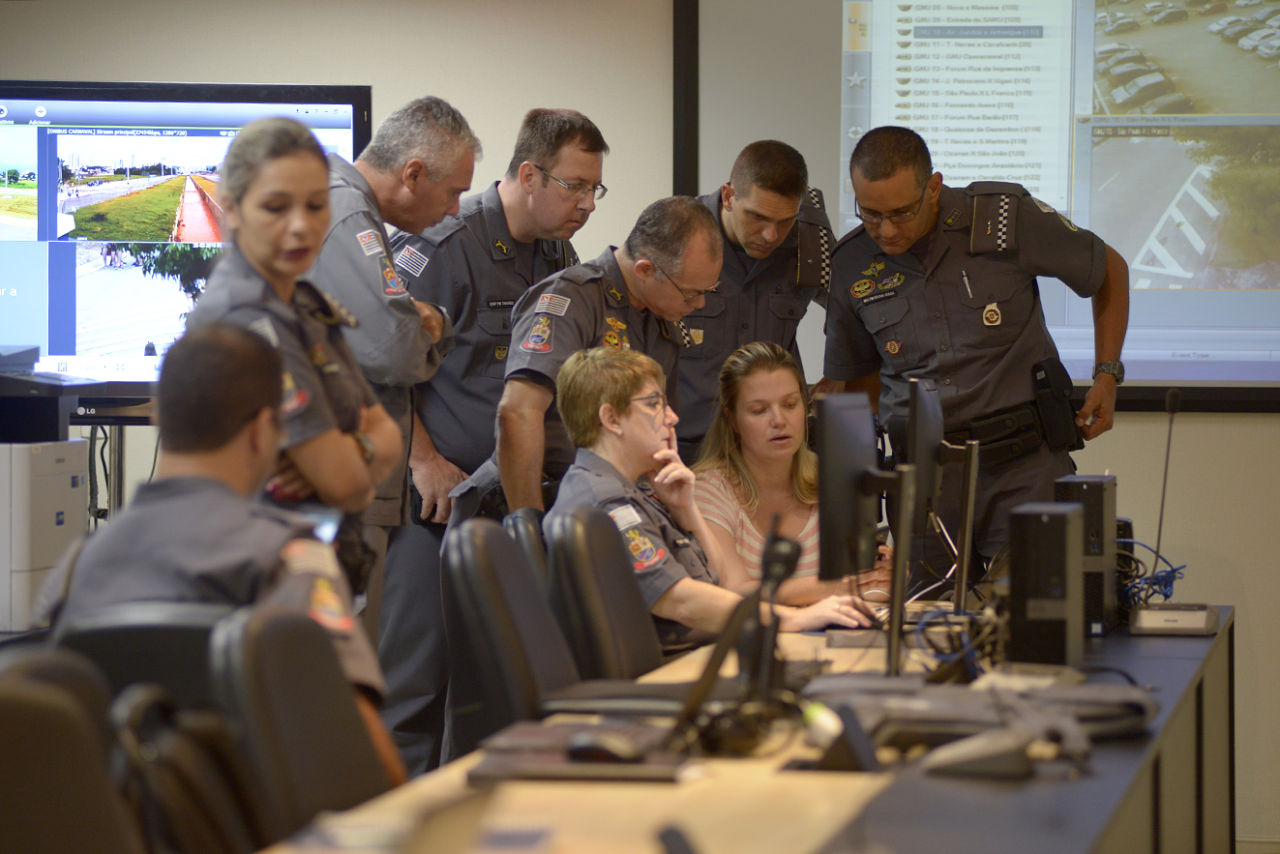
(920,444)
(108,220)
(848,496)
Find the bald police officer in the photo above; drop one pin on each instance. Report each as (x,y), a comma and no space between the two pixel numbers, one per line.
(193,535)
(411,175)
(474,265)
(939,284)
(776,243)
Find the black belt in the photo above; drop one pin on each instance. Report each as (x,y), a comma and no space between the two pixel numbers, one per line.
(1003,435)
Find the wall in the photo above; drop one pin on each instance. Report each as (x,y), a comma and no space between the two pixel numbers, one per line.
(773,69)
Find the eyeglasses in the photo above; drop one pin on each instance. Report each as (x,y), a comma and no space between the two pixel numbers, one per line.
(656,402)
(578,191)
(689,294)
(875,217)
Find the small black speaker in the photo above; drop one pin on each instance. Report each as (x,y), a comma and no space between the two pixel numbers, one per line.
(1096,494)
(1046,597)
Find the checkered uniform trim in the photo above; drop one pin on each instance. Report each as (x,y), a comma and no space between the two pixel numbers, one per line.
(1003,208)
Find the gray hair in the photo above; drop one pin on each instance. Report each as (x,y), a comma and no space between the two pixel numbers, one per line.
(256,143)
(664,229)
(428,129)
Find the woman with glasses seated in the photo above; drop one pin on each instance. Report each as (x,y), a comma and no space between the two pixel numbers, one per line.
(612,403)
(756,466)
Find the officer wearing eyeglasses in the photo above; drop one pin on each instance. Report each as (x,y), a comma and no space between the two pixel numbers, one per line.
(632,296)
(774,236)
(474,265)
(939,283)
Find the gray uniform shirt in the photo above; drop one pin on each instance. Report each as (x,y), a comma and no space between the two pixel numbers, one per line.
(582,306)
(194,539)
(969,322)
(389,344)
(661,552)
(473,268)
(758,300)
(323,387)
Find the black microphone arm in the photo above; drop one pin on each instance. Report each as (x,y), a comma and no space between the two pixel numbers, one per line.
(1172,401)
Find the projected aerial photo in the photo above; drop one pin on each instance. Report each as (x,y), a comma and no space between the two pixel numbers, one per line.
(1190,206)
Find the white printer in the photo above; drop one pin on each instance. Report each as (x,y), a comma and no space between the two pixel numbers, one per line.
(43,497)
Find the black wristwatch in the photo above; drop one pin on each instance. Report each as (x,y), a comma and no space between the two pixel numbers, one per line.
(1116,369)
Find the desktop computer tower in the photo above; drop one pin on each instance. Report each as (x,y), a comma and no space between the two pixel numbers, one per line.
(43,497)
(1045,584)
(1096,494)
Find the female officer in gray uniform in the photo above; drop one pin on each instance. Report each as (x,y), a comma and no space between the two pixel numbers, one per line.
(274,191)
(613,406)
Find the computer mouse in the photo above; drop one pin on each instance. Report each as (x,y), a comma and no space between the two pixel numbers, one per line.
(601,745)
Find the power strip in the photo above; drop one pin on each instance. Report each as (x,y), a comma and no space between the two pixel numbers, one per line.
(1174,618)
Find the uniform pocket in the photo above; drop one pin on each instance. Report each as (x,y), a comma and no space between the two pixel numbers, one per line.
(491,347)
(998,304)
(890,324)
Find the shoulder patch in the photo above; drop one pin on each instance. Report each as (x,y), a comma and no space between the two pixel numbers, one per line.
(539,338)
(327,609)
(411,261)
(644,554)
(264,327)
(293,399)
(550,303)
(370,242)
(392,286)
(625,517)
(310,557)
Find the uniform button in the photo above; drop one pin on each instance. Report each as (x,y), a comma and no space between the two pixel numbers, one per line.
(937,315)
(944,348)
(946,381)
(746,326)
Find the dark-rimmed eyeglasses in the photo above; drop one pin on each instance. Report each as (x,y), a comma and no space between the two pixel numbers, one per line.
(897,218)
(688,294)
(656,402)
(578,191)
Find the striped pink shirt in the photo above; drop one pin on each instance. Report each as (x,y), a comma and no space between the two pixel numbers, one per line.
(719,506)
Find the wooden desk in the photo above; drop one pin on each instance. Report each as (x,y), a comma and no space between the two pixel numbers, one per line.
(1170,791)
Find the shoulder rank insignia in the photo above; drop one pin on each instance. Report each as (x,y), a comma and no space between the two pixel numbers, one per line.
(501,247)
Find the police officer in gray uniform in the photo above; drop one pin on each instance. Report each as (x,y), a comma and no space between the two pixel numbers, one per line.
(474,265)
(940,284)
(777,246)
(661,552)
(623,425)
(632,296)
(341,441)
(192,535)
(411,176)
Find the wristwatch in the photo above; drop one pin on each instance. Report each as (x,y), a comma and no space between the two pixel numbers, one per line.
(367,451)
(1116,369)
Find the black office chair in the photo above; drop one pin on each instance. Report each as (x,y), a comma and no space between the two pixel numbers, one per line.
(277,676)
(166,643)
(524,524)
(508,658)
(56,794)
(593,593)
